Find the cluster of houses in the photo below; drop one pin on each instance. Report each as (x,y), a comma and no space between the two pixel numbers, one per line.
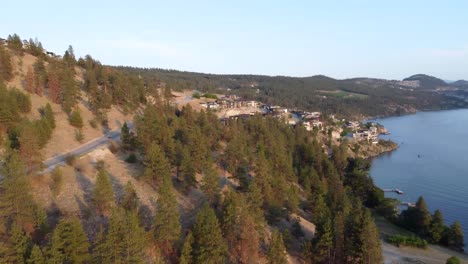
(310,120)
(230,102)
(358,133)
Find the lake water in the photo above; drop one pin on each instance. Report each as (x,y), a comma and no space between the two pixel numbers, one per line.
(432,161)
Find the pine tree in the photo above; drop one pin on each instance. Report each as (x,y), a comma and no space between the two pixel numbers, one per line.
(130,199)
(125,136)
(455,236)
(276,251)
(124,242)
(20,245)
(37,257)
(48,115)
(187,170)
(209,245)
(103,195)
(372,251)
(14,42)
(167,228)
(6,66)
(210,185)
(40,73)
(423,217)
(16,202)
(75,119)
(323,241)
(30,81)
(353,228)
(436,228)
(70,92)
(30,146)
(53,84)
(186,253)
(157,166)
(69,243)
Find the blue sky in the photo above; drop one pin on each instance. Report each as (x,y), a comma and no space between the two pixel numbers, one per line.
(341,39)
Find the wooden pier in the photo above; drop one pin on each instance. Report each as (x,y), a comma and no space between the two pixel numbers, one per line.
(397,191)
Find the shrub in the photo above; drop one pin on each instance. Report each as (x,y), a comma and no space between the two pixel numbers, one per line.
(411,241)
(79,135)
(453,260)
(113,146)
(209,95)
(132,158)
(57,181)
(93,123)
(70,159)
(196,95)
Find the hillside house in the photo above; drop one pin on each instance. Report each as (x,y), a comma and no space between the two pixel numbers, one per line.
(353,125)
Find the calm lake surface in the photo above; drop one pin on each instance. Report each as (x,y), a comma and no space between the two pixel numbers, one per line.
(432,161)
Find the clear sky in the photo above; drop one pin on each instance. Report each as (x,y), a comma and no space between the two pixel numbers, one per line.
(341,39)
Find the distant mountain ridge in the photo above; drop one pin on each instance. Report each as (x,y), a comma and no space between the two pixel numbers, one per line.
(427,82)
(460,84)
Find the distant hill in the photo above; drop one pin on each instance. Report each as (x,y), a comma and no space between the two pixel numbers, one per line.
(460,84)
(427,82)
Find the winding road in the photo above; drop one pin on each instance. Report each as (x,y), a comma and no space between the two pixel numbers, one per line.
(85,148)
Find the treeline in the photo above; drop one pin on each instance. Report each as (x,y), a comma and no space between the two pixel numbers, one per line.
(107,86)
(431,226)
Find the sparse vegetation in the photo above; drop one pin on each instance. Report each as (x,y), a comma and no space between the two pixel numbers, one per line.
(79,135)
(411,241)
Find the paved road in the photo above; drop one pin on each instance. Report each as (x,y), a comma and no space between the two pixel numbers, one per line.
(85,148)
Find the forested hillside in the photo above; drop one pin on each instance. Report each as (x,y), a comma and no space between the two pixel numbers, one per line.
(359,97)
(178,186)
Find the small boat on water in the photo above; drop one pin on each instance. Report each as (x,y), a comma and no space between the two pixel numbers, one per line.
(398,191)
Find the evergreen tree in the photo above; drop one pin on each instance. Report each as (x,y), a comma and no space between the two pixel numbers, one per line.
(423,217)
(436,228)
(455,236)
(126,137)
(209,245)
(75,119)
(30,81)
(6,66)
(40,74)
(186,253)
(157,166)
(53,85)
(103,195)
(16,202)
(323,241)
(69,243)
(210,185)
(276,251)
(130,199)
(70,92)
(187,170)
(372,251)
(14,42)
(30,146)
(19,246)
(48,115)
(125,241)
(37,257)
(167,228)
